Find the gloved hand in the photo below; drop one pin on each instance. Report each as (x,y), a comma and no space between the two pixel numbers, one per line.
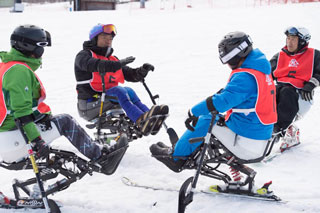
(191,120)
(40,147)
(307,91)
(142,72)
(127,60)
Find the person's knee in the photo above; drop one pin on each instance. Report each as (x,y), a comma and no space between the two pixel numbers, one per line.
(63,119)
(289,92)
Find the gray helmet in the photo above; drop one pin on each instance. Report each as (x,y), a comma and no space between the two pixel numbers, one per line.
(233,47)
(30,40)
(302,33)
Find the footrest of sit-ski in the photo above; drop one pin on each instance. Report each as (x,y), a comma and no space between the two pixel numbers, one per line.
(113,113)
(154,124)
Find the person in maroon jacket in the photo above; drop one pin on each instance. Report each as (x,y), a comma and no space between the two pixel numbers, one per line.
(296,69)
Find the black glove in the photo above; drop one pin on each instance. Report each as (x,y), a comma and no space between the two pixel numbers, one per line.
(105,66)
(142,72)
(307,91)
(191,120)
(127,60)
(40,147)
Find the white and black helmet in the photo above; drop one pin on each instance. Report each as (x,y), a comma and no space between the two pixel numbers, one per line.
(30,40)
(302,33)
(233,47)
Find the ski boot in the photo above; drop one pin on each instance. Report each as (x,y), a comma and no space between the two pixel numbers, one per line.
(151,121)
(111,155)
(163,153)
(291,138)
(4,200)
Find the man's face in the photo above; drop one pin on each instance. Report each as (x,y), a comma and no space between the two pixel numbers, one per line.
(292,43)
(104,40)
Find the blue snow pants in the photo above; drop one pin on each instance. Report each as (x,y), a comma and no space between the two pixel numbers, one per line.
(129,101)
(183,147)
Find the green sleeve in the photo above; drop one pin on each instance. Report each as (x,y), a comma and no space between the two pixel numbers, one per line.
(21,85)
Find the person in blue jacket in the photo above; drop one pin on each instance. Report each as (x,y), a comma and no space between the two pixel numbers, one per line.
(248,98)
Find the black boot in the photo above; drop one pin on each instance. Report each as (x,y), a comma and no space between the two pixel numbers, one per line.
(111,156)
(163,153)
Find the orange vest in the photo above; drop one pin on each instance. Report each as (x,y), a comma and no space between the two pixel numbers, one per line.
(295,69)
(111,79)
(42,107)
(265,106)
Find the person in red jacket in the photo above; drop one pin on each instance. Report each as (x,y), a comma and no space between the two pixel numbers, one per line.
(96,60)
(296,69)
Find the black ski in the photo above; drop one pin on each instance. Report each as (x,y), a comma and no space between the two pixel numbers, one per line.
(253,196)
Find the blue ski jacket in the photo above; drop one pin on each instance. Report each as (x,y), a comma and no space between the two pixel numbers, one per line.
(241,93)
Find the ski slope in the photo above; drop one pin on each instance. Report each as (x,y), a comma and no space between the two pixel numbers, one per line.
(182,44)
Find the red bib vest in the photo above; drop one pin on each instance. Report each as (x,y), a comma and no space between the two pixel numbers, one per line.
(265,106)
(111,79)
(42,107)
(295,69)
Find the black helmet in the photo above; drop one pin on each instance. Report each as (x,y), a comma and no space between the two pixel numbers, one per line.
(233,47)
(30,40)
(302,33)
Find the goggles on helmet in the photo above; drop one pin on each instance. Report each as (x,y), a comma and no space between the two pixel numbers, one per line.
(108,28)
(45,43)
(301,32)
(292,31)
(42,44)
(242,46)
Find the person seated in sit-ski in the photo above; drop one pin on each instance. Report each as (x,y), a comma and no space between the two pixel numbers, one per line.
(96,60)
(248,98)
(21,104)
(296,70)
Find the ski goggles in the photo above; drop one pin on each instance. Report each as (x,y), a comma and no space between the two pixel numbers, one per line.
(45,43)
(292,31)
(42,44)
(242,46)
(100,28)
(109,29)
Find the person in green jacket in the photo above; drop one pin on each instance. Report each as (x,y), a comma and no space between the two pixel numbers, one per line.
(22,106)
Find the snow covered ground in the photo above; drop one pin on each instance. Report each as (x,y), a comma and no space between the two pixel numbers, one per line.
(182,44)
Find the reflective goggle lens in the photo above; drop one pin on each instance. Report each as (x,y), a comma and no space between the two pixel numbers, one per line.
(109,29)
(292,31)
(42,43)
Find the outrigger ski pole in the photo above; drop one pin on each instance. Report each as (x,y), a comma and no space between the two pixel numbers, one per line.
(189,186)
(103,95)
(34,166)
(171,132)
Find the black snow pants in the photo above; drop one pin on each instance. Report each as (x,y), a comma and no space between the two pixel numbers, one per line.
(287,105)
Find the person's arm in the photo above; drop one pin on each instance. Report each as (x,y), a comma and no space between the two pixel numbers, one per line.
(19,83)
(85,62)
(136,74)
(316,65)
(274,63)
